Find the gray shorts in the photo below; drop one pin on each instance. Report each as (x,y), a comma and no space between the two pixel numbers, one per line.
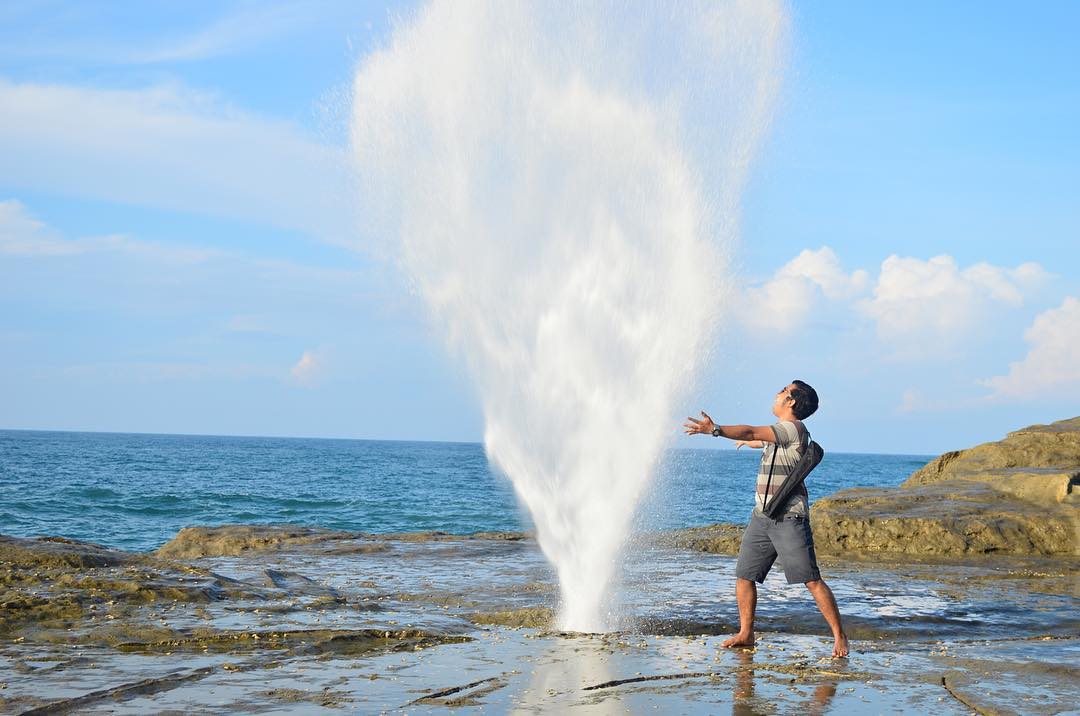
(788,538)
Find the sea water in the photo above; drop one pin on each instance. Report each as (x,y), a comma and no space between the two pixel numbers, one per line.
(136,491)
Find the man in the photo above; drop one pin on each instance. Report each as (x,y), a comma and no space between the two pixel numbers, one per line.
(788,536)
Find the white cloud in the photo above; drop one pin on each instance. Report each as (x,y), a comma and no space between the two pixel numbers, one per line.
(925,306)
(308,369)
(1053,362)
(172,148)
(788,297)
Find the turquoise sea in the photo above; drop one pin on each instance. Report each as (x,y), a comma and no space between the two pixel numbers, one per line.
(135,491)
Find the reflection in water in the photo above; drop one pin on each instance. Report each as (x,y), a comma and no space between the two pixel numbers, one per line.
(742,703)
(745,703)
(561,672)
(819,700)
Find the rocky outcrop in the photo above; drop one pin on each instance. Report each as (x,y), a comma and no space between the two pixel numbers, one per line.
(232,540)
(528,617)
(58,552)
(1015,496)
(713,539)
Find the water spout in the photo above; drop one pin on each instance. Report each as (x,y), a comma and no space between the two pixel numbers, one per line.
(562,183)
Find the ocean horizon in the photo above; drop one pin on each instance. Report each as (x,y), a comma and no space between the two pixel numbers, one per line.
(720,447)
(135,491)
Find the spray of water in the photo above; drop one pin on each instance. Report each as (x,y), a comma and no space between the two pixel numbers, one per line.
(561,183)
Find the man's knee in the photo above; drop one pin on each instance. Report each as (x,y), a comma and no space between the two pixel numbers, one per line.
(815,584)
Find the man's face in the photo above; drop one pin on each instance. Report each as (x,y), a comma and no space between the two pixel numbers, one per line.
(783,398)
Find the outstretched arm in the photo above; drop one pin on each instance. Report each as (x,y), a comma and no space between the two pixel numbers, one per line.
(706,426)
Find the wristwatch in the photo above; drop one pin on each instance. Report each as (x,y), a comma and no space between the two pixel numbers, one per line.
(716,431)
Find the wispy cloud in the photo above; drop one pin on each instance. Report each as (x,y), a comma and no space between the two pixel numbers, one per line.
(93,36)
(1052,365)
(236,293)
(231,33)
(172,148)
(21,234)
(911,401)
(161,313)
(923,400)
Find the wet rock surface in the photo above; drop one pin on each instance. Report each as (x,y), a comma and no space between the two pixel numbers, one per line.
(52,585)
(1015,496)
(429,621)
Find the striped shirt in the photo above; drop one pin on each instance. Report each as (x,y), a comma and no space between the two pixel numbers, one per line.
(791,441)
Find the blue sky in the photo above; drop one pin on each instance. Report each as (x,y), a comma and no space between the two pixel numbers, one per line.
(179,231)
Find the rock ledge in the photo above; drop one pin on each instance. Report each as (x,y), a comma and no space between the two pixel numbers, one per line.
(1014,496)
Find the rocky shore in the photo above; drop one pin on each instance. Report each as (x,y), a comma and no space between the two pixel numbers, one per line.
(958,589)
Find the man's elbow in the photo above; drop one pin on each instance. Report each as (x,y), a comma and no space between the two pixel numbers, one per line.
(764,433)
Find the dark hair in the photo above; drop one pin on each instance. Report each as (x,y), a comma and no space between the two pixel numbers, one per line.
(805,398)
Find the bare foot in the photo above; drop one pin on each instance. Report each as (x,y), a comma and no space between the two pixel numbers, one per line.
(741,639)
(840,648)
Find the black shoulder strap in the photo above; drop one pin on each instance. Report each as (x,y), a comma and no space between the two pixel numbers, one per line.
(768,483)
(804,433)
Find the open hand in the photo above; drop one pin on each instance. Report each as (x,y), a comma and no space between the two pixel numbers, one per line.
(705,426)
